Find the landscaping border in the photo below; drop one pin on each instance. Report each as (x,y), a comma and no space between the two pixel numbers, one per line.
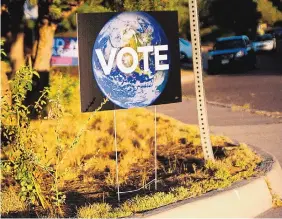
(244,199)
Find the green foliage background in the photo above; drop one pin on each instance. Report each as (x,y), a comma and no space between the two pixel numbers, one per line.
(263,11)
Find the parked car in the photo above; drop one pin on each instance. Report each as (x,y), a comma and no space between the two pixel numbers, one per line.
(231,52)
(264,42)
(185,50)
(276,32)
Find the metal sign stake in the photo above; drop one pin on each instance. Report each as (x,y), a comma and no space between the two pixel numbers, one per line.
(155,141)
(115,143)
(199,85)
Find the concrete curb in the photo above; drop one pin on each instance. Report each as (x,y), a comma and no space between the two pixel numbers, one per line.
(225,105)
(239,202)
(245,199)
(274,177)
(253,111)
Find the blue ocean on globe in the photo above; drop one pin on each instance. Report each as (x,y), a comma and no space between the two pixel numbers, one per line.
(139,88)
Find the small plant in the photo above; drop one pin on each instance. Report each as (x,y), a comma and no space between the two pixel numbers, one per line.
(219,169)
(22,162)
(129,207)
(180,192)
(39,181)
(101,210)
(276,200)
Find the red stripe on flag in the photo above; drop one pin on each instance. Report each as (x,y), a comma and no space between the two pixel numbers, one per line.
(57,60)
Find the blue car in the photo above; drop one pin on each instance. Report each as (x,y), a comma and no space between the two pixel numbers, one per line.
(185,50)
(231,53)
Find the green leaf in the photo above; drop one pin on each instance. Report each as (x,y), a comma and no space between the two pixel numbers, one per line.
(32,199)
(23,189)
(29,187)
(29,86)
(36,74)
(23,198)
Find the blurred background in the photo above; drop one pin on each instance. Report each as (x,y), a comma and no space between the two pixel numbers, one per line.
(29,27)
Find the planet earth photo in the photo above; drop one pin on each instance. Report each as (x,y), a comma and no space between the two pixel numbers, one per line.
(139,88)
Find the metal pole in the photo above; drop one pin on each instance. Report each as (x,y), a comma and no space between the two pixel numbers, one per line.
(115,143)
(156,163)
(199,85)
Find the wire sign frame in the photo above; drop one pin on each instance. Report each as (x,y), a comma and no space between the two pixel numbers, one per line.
(155,180)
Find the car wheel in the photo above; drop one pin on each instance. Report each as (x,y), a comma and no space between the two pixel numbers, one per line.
(211,71)
(211,68)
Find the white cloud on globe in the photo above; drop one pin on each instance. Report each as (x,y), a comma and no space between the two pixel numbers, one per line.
(142,86)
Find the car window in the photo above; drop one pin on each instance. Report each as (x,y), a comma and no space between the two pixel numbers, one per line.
(229,44)
(184,42)
(263,38)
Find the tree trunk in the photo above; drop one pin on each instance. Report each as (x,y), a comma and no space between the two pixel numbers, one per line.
(17,52)
(42,50)
(15,33)
(9,70)
(5,87)
(41,54)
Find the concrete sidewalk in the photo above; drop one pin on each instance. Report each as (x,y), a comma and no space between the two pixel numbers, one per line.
(260,131)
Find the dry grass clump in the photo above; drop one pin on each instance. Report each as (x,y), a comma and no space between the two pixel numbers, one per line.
(212,176)
(10,202)
(135,139)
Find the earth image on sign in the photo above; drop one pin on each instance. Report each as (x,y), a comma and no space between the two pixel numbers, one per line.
(130,59)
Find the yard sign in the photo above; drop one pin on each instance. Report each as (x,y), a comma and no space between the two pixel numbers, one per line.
(132,58)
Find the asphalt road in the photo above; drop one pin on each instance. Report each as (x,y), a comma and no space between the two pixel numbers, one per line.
(260,88)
